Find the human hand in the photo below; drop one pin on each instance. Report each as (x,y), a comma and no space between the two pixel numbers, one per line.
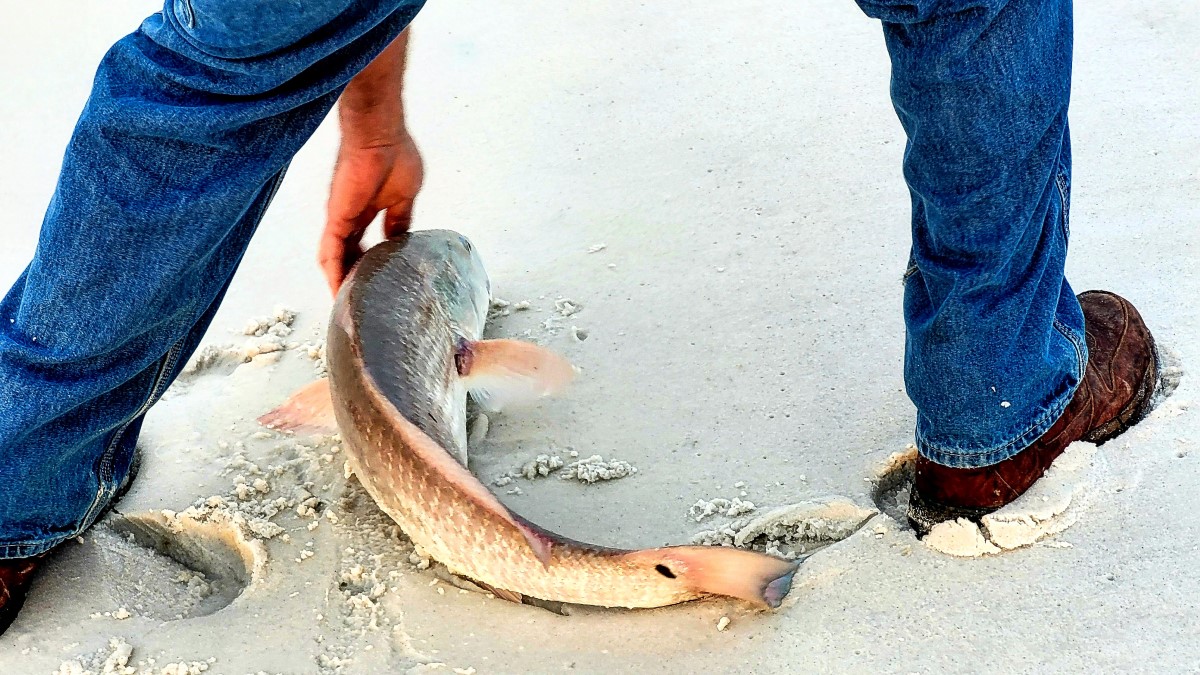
(378,166)
(368,179)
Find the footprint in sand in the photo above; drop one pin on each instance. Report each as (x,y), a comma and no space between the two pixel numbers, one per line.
(1053,504)
(171,567)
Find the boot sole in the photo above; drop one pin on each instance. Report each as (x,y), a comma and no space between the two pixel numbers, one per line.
(923,514)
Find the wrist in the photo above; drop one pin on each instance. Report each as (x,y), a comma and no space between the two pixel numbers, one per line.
(380,125)
(371,108)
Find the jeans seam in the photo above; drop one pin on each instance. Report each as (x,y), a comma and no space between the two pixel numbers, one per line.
(1079,345)
(1065,202)
(105,467)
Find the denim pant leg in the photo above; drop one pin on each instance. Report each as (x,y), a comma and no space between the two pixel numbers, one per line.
(994,347)
(190,125)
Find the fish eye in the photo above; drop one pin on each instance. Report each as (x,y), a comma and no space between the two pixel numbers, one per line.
(467,244)
(665,571)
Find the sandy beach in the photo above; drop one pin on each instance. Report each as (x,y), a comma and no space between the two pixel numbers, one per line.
(702,207)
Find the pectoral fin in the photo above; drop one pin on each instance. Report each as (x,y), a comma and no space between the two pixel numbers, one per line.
(308,410)
(505,373)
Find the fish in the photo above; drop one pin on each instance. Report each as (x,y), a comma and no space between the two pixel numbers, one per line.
(405,350)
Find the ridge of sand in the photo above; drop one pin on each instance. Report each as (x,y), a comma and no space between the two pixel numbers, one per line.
(1052,505)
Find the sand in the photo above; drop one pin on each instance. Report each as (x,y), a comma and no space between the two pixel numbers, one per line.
(741,167)
(1056,502)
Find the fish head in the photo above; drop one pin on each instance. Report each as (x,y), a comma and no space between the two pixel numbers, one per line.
(698,571)
(458,275)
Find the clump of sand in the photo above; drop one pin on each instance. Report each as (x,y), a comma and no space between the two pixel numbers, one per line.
(731,508)
(960,538)
(556,322)
(279,323)
(791,531)
(595,469)
(248,505)
(267,335)
(114,659)
(542,465)
(501,307)
(589,470)
(1050,506)
(477,429)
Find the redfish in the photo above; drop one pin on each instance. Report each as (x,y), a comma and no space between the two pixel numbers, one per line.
(404,350)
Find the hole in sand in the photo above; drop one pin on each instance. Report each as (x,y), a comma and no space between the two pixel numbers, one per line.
(1050,506)
(893,482)
(1170,374)
(169,567)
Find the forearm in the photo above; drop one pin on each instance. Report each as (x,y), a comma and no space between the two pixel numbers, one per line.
(371,109)
(378,166)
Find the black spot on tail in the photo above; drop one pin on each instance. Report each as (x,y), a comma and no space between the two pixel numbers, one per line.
(665,571)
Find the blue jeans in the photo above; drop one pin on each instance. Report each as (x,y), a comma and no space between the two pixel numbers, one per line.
(191,124)
(995,342)
(194,118)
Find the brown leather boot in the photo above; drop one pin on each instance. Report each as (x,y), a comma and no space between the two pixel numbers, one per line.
(1117,387)
(16,576)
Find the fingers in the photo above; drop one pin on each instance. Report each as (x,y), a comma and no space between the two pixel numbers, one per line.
(340,248)
(341,245)
(398,219)
(367,181)
(334,259)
